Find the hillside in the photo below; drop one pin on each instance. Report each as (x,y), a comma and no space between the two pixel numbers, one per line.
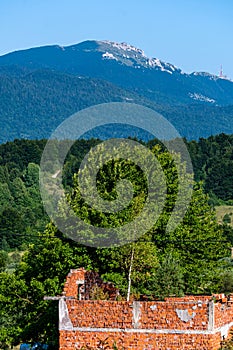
(34,104)
(21,207)
(128,67)
(41,87)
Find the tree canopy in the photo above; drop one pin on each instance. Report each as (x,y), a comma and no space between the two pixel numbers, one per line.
(189,259)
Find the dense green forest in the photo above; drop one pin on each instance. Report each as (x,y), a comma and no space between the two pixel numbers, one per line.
(212,160)
(34,103)
(21,210)
(35,256)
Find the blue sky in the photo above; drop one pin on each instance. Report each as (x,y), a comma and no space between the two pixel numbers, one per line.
(194,35)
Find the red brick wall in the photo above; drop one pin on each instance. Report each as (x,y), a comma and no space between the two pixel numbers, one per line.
(90,279)
(177,323)
(153,315)
(223,313)
(139,341)
(70,287)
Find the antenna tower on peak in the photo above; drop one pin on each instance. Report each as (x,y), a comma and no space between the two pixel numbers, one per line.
(221,72)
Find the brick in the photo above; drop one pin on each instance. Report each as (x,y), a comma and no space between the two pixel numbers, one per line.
(143,325)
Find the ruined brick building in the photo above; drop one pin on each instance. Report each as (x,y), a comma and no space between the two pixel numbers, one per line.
(177,323)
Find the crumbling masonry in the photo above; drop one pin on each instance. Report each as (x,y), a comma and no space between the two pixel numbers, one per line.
(177,323)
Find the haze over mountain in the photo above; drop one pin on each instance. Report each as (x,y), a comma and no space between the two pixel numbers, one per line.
(42,86)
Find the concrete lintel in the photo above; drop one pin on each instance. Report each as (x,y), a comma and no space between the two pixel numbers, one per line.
(153,331)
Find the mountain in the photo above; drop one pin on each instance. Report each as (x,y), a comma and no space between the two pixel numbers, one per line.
(127,67)
(40,87)
(34,104)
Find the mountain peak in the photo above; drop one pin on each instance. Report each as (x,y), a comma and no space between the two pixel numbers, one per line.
(128,55)
(126,66)
(210,76)
(123,46)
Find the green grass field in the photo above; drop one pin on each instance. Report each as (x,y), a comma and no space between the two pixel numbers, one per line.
(223,210)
